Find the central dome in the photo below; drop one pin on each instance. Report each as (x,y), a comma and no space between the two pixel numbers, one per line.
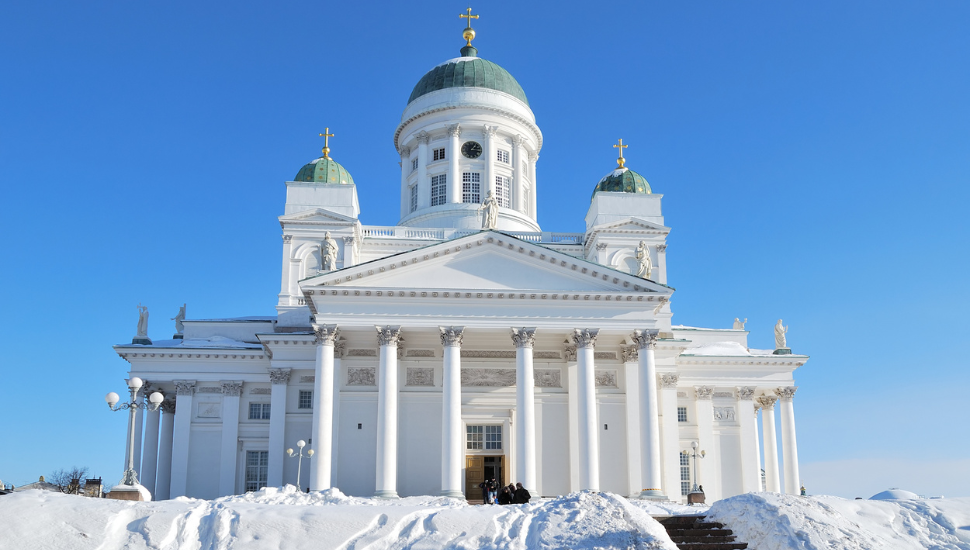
(468,72)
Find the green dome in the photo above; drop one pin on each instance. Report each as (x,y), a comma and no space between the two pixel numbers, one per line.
(324,170)
(468,72)
(623,180)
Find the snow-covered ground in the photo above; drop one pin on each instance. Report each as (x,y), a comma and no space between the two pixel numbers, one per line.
(274,519)
(286,518)
(770,521)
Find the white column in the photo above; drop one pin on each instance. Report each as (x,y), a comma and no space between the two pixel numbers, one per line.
(278,378)
(589,456)
(533,159)
(163,478)
(149,462)
(757,442)
(322,429)
(632,409)
(454,176)
(705,435)
(405,170)
(451,440)
(287,266)
(750,474)
(490,155)
(387,337)
(339,349)
(139,422)
(650,478)
(670,435)
(230,437)
(788,445)
(525,407)
(572,404)
(518,178)
(184,391)
(772,482)
(662,263)
(424,184)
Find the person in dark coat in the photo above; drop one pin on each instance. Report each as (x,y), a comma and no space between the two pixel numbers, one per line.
(521,495)
(505,496)
(485,486)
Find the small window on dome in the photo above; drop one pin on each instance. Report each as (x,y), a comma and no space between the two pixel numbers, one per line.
(503,156)
(471,187)
(503,191)
(439,154)
(414,164)
(414,198)
(439,189)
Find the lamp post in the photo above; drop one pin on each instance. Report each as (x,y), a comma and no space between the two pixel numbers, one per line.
(299,464)
(155,401)
(696,495)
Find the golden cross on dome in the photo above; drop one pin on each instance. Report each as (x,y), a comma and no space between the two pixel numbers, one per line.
(326,142)
(621,147)
(469,33)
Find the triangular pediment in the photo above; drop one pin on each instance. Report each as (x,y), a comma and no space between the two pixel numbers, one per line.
(628,225)
(485,261)
(320,215)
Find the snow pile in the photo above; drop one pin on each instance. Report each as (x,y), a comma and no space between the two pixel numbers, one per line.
(770,521)
(286,518)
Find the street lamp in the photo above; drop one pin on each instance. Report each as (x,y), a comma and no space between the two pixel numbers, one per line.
(299,464)
(155,399)
(693,496)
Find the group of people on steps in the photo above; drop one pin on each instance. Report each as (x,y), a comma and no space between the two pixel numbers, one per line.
(493,493)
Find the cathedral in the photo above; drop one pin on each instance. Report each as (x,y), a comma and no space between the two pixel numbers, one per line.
(465,342)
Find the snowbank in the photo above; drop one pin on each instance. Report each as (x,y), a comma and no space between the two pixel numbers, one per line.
(286,518)
(770,521)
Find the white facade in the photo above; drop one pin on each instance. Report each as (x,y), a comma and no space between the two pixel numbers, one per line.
(437,352)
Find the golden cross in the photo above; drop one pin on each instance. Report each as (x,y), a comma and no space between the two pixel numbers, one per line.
(326,142)
(621,147)
(469,17)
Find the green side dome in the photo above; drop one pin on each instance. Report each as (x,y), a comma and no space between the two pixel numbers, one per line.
(623,180)
(468,72)
(324,170)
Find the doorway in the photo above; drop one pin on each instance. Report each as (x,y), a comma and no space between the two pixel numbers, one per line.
(478,468)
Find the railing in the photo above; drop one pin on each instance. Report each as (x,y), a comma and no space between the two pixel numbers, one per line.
(417,233)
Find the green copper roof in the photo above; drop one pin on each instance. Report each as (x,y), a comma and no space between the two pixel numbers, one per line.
(623,180)
(324,170)
(468,72)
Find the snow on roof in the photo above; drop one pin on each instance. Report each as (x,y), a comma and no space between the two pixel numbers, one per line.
(729,349)
(215,342)
(686,327)
(249,319)
(895,494)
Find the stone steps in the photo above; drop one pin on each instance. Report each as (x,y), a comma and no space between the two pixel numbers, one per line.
(693,533)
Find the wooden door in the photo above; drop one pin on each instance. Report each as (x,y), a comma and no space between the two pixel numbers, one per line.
(474,475)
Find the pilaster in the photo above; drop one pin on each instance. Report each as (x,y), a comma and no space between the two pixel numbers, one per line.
(230,437)
(278,378)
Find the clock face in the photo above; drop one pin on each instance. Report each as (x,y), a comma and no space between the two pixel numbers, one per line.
(471,149)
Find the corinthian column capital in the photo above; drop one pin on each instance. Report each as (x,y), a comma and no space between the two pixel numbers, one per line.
(786,393)
(324,334)
(669,380)
(645,339)
(388,335)
(767,402)
(279,376)
(451,336)
(746,393)
(524,337)
(585,337)
(704,392)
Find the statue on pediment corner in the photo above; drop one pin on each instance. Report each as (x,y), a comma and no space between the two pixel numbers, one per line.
(328,253)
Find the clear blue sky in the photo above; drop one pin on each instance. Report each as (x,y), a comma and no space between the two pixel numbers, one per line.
(814,160)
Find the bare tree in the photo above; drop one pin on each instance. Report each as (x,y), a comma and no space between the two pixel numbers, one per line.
(69,480)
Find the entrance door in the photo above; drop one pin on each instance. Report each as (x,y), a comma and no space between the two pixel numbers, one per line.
(479,468)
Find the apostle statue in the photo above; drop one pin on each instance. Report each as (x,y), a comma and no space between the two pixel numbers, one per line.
(179,317)
(739,324)
(489,210)
(780,331)
(644,265)
(328,253)
(142,321)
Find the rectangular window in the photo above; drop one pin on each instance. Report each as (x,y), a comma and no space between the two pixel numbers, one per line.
(257,465)
(684,473)
(414,164)
(259,411)
(681,414)
(503,156)
(474,438)
(493,437)
(503,191)
(439,189)
(414,198)
(438,154)
(306,399)
(471,187)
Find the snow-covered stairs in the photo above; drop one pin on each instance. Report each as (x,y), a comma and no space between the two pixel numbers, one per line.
(693,533)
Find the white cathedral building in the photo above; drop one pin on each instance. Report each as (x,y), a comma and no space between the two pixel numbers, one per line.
(465,342)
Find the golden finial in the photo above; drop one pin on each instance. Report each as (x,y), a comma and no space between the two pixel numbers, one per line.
(621,147)
(326,143)
(469,33)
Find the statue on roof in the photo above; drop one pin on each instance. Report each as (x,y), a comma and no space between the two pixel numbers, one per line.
(739,324)
(780,332)
(179,317)
(489,210)
(142,321)
(644,264)
(328,253)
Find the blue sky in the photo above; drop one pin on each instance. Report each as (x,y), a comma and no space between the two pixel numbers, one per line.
(814,160)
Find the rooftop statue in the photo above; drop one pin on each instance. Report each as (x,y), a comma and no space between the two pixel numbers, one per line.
(328,253)
(142,321)
(489,210)
(739,324)
(644,265)
(179,317)
(780,331)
